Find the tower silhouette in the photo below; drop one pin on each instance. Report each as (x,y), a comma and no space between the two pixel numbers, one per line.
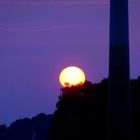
(119,108)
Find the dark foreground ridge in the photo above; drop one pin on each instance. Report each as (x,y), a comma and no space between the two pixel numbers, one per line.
(27,129)
(81,113)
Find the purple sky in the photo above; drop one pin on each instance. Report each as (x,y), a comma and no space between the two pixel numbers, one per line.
(38,38)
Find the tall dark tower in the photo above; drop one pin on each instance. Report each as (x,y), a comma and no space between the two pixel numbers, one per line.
(119,82)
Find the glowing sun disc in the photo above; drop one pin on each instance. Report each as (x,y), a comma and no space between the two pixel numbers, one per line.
(71,76)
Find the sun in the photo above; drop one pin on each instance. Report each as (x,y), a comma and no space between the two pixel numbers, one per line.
(71,76)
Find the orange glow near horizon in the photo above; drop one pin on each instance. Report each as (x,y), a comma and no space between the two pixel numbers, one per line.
(71,76)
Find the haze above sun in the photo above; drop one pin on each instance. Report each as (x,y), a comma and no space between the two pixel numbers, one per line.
(71,76)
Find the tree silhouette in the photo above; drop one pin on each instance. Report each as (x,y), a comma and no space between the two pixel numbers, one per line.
(26,129)
(81,112)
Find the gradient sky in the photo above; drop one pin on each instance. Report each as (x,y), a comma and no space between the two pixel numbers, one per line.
(38,38)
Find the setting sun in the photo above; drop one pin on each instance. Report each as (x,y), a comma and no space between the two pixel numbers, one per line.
(72,76)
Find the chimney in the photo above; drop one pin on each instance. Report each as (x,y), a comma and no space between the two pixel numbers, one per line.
(119,99)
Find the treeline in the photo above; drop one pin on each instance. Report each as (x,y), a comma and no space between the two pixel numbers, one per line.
(27,129)
(82,112)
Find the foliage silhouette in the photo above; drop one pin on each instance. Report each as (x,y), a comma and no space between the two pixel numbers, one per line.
(82,112)
(25,129)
